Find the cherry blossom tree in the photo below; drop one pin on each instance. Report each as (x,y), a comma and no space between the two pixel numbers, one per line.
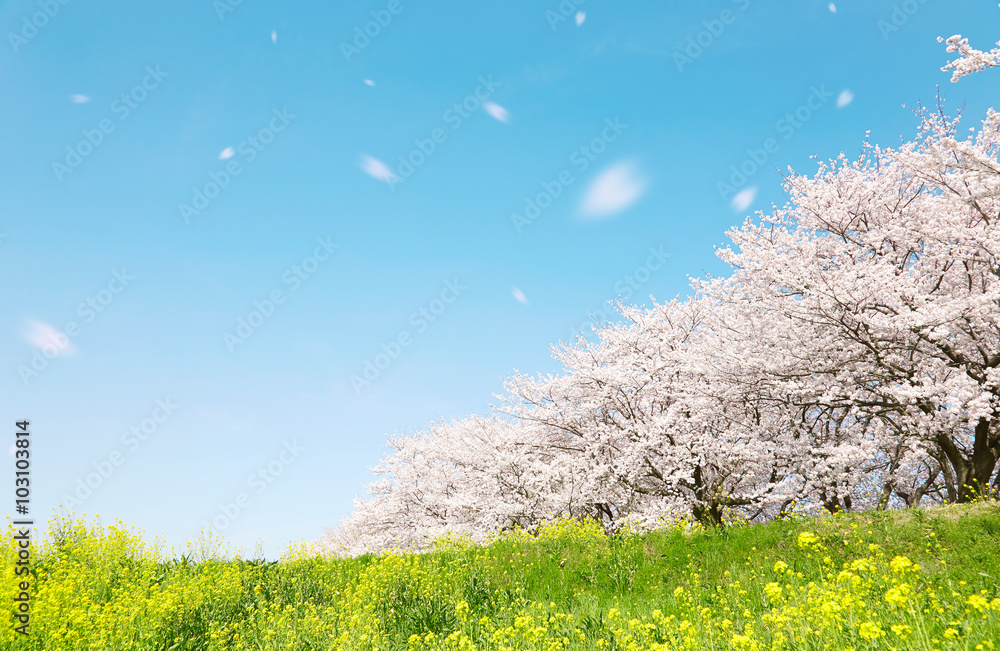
(886,269)
(851,360)
(473,476)
(649,432)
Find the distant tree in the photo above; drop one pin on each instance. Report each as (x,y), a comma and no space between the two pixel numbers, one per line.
(473,476)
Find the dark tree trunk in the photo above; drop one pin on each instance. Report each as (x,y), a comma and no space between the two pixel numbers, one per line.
(967,477)
(985,451)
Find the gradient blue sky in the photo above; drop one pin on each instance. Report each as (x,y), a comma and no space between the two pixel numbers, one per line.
(162,336)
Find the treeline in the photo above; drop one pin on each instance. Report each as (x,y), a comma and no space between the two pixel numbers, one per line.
(851,360)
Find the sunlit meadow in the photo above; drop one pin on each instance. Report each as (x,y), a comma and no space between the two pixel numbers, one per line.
(915,579)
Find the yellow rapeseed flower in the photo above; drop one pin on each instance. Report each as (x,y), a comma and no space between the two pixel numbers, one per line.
(896,595)
(870,631)
(772,591)
(807,540)
(902,631)
(978,602)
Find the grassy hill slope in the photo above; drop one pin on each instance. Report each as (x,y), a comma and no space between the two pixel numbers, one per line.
(916,579)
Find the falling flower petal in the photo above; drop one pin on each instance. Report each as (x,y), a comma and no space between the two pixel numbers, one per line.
(744,198)
(614,190)
(376,169)
(47,339)
(226,153)
(497,112)
(845,98)
(519,296)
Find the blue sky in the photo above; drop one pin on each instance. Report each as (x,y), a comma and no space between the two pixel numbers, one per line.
(126,290)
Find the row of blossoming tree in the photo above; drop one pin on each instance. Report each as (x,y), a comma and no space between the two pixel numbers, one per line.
(850,361)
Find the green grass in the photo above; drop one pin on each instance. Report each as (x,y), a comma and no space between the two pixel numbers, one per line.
(952,544)
(98,588)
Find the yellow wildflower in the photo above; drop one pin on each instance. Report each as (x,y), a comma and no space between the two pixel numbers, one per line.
(870,631)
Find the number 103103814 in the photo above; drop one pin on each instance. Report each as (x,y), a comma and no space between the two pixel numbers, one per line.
(22,474)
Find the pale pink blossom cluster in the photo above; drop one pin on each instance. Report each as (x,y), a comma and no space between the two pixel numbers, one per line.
(970,60)
(851,360)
